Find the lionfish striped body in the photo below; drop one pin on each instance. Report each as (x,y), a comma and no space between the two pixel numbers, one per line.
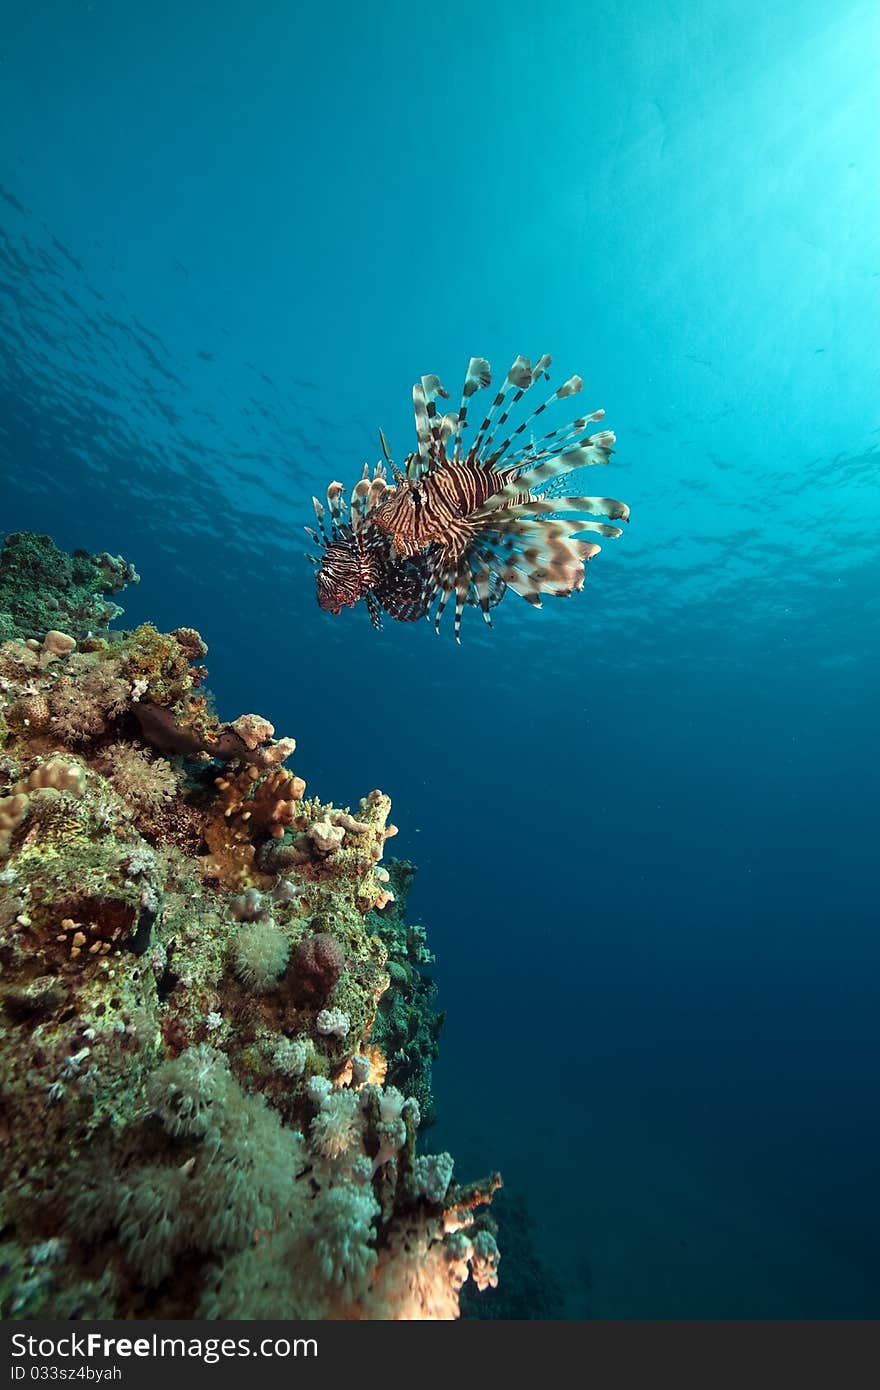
(358,561)
(474,519)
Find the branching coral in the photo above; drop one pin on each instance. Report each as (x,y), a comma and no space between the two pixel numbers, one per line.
(250,809)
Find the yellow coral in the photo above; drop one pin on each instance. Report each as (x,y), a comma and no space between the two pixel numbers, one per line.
(47,779)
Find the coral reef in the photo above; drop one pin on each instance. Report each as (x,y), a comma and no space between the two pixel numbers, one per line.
(215,1039)
(42,588)
(407,1026)
(530,1289)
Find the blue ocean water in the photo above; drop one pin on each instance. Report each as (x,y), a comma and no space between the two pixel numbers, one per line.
(231,237)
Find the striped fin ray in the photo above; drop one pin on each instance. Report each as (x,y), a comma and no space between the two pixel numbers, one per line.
(529,556)
(447,426)
(320,514)
(520,583)
(482,587)
(541,544)
(593,506)
(519,378)
(539,557)
(432,429)
(447,587)
(538,371)
(461,597)
(432,388)
(423,428)
(378,489)
(447,580)
(477,377)
(359,495)
(366,494)
(336,500)
(557,576)
(558,440)
(568,388)
(532,477)
(374,610)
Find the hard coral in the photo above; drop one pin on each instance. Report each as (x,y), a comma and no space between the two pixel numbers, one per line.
(47,780)
(317,964)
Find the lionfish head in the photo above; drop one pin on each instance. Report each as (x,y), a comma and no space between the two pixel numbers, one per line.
(340,580)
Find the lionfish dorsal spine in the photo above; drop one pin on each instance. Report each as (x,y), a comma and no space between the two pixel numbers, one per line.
(568,388)
(519,379)
(477,377)
(360,501)
(336,500)
(322,529)
(423,428)
(378,489)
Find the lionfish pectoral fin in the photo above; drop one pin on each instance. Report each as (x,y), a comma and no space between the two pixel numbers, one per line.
(462,589)
(444,599)
(482,583)
(374,611)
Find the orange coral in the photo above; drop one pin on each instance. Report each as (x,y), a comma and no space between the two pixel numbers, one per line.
(251,808)
(378,1065)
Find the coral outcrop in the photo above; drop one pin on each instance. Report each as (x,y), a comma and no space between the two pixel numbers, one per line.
(43,590)
(407,1026)
(216,1037)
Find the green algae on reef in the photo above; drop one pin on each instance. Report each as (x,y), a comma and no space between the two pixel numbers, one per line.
(216,1037)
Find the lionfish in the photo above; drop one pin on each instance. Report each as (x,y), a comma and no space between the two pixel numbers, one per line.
(470,519)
